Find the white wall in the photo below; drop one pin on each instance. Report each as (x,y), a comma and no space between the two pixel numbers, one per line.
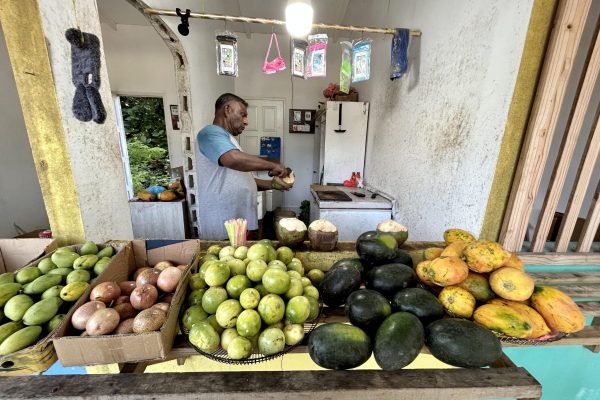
(434,135)
(140,64)
(252,82)
(20,195)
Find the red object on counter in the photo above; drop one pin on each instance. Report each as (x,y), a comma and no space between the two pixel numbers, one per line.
(349,183)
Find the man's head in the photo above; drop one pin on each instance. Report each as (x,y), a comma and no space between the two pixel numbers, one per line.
(231,113)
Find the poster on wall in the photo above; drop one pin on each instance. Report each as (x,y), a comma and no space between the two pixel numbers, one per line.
(270,147)
(174,117)
(302,121)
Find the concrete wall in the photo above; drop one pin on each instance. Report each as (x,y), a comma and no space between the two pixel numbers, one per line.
(434,135)
(252,82)
(21,200)
(152,74)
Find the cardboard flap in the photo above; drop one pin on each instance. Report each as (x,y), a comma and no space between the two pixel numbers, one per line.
(16,253)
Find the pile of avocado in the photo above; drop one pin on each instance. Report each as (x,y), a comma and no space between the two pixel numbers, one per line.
(35,299)
(391,317)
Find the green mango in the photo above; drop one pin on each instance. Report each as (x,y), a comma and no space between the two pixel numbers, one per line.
(73,291)
(16,307)
(108,251)
(27,274)
(43,283)
(61,271)
(8,329)
(7,277)
(88,247)
(85,262)
(101,265)
(8,290)
(65,249)
(46,265)
(54,322)
(42,311)
(20,339)
(54,291)
(79,275)
(64,259)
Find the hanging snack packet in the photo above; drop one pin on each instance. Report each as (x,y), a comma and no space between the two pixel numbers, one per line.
(361,60)
(227,55)
(299,58)
(316,62)
(346,68)
(399,62)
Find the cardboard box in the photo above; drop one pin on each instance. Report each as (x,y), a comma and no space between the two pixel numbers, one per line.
(91,350)
(17,253)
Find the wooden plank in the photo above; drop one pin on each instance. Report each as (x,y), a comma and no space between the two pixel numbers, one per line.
(550,259)
(582,181)
(567,148)
(580,290)
(590,307)
(564,42)
(596,348)
(410,384)
(590,226)
(558,278)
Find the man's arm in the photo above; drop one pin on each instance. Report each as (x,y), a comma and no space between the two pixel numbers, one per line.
(263,184)
(241,161)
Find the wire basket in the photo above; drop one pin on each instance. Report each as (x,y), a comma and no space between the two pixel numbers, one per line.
(553,337)
(221,355)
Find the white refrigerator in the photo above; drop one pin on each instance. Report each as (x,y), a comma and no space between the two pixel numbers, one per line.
(341,142)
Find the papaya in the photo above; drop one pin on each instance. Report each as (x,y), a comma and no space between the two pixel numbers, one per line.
(167,195)
(431,253)
(478,286)
(454,234)
(504,319)
(16,307)
(457,301)
(20,339)
(88,247)
(484,256)
(146,196)
(422,270)
(512,284)
(454,249)
(448,271)
(462,343)
(339,346)
(398,341)
(42,311)
(27,274)
(560,312)
(513,261)
(41,284)
(540,328)
(8,290)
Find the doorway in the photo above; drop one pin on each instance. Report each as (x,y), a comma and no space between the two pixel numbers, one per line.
(143,139)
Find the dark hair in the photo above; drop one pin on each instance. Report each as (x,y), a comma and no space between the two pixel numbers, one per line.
(226,98)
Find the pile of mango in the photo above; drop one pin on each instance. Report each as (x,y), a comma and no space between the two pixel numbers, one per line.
(35,299)
(170,192)
(479,279)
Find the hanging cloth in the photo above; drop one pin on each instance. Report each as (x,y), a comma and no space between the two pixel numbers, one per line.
(277,64)
(399,61)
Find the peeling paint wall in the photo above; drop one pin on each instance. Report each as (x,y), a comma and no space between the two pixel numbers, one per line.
(21,200)
(434,135)
(93,148)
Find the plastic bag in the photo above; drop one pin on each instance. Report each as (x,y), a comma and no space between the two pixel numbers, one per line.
(277,64)
(361,60)
(399,61)
(346,67)
(227,54)
(316,59)
(299,58)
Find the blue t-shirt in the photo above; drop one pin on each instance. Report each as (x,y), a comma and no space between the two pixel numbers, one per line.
(213,142)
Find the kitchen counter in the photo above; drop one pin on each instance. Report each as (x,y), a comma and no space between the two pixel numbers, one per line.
(366,202)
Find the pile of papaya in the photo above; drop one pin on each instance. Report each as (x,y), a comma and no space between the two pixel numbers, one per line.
(390,317)
(479,279)
(35,299)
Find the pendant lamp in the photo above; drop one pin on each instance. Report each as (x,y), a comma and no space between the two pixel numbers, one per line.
(298,17)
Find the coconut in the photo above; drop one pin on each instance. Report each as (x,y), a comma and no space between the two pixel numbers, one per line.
(323,235)
(284,183)
(399,231)
(290,232)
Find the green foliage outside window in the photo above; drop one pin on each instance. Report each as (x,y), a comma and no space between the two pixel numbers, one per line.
(145,130)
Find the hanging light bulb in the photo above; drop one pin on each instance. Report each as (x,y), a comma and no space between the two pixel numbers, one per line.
(298,17)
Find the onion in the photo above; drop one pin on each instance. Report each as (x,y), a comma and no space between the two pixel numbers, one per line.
(149,276)
(106,292)
(124,327)
(102,322)
(168,279)
(143,297)
(161,266)
(82,314)
(121,300)
(139,271)
(162,306)
(127,287)
(125,311)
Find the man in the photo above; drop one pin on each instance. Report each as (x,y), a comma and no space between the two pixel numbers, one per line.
(226,188)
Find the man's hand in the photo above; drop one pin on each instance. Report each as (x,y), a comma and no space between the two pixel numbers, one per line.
(279,170)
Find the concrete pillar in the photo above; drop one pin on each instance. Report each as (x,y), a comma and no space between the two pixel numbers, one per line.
(78,163)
